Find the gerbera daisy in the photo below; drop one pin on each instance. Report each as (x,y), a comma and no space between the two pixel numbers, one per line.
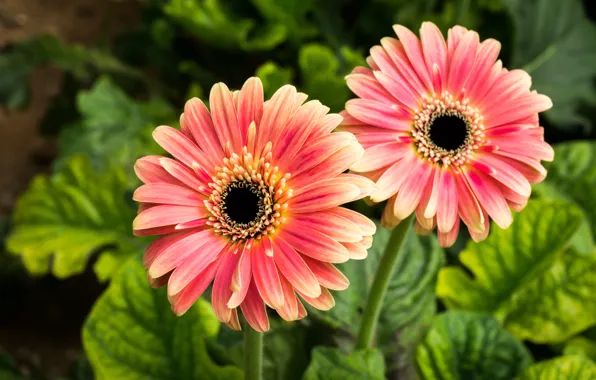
(448,132)
(250,201)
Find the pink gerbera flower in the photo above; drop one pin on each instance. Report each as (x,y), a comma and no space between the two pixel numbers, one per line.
(250,201)
(448,132)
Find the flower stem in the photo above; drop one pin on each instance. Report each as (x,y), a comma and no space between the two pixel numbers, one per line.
(378,290)
(253,354)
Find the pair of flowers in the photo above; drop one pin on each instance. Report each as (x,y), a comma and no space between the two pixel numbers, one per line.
(251,199)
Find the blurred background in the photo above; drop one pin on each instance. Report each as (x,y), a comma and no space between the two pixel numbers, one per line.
(83,83)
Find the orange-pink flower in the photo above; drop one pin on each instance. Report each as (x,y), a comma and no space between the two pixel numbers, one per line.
(448,132)
(250,202)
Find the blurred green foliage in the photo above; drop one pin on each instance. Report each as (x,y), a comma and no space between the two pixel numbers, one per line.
(532,282)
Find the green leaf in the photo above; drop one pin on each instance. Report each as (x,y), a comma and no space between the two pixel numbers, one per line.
(556,43)
(332,364)
(409,303)
(525,277)
(293,14)
(59,222)
(565,367)
(323,73)
(570,175)
(8,368)
(81,62)
(212,22)
(273,77)
(115,129)
(470,346)
(131,333)
(581,346)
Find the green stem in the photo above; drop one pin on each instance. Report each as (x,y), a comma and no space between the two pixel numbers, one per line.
(378,290)
(253,354)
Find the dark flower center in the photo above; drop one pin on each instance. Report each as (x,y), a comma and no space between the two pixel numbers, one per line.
(448,132)
(242,202)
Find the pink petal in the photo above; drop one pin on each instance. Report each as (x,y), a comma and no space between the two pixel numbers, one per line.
(406,74)
(316,245)
(327,275)
(509,85)
(266,277)
(330,224)
(250,106)
(323,197)
(378,114)
(505,174)
(179,146)
(198,120)
(294,268)
(411,190)
(367,87)
(388,219)
(149,170)
(224,116)
(184,300)
(367,227)
(398,90)
(289,311)
(176,253)
(323,302)
(325,125)
(392,179)
(518,144)
(454,36)
(183,174)
(356,251)
(317,152)
(221,292)
(462,62)
(481,79)
(241,279)
(157,246)
(478,236)
(276,113)
(434,49)
(166,215)
(191,224)
(254,311)
(468,206)
(507,112)
(234,322)
(431,203)
(380,156)
(413,49)
(489,197)
(446,239)
(528,167)
(447,201)
(158,282)
(167,194)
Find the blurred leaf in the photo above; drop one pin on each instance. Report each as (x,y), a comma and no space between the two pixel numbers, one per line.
(292,14)
(8,368)
(131,333)
(273,77)
(570,175)
(523,275)
(464,345)
(210,21)
(556,43)
(60,221)
(115,129)
(332,364)
(17,64)
(581,346)
(409,303)
(565,367)
(323,74)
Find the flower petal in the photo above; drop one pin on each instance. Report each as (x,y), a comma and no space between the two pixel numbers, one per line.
(166,215)
(254,311)
(167,194)
(327,275)
(316,245)
(266,277)
(224,116)
(250,106)
(294,268)
(184,300)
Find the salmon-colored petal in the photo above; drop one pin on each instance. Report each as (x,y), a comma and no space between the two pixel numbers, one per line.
(266,277)
(325,125)
(462,62)
(276,113)
(399,90)
(447,201)
(327,275)
(469,209)
(454,36)
(380,156)
(323,302)
(149,170)
(234,322)
(391,180)
(319,151)
(294,268)
(367,227)
(316,245)
(330,224)
(411,190)
(224,116)
(508,112)
(184,174)
(324,197)
(413,50)
(356,251)
(446,239)
(221,291)
(434,48)
(158,245)
(489,197)
(250,106)
(504,173)
(241,279)
(254,311)
(167,194)
(368,87)
(405,72)
(378,114)
(481,79)
(200,124)
(180,146)
(184,300)
(178,250)
(290,310)
(165,215)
